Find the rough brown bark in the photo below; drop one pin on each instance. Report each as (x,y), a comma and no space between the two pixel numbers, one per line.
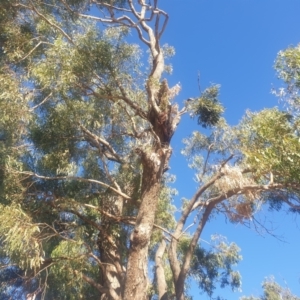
(136,283)
(154,162)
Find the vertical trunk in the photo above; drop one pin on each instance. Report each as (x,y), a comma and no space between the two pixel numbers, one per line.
(160,272)
(136,284)
(109,248)
(111,278)
(154,162)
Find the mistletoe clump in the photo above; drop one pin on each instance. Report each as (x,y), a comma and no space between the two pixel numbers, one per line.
(207,107)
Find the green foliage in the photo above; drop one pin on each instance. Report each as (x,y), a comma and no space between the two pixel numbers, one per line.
(214,266)
(207,107)
(77,144)
(54,86)
(288,65)
(20,237)
(270,143)
(69,269)
(273,291)
(13,106)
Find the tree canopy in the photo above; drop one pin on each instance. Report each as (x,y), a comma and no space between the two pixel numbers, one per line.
(86,123)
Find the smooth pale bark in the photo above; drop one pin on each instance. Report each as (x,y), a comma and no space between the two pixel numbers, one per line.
(109,249)
(160,272)
(180,271)
(179,285)
(174,262)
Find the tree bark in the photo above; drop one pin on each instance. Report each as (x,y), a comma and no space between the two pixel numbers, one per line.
(160,272)
(136,283)
(179,285)
(109,248)
(180,271)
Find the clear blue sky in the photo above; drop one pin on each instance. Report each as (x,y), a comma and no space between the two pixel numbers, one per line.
(234,43)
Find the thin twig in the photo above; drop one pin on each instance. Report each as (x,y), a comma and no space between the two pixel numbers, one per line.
(78,179)
(52,24)
(41,103)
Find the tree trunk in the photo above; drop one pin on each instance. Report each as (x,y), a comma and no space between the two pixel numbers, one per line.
(154,162)
(160,272)
(109,249)
(136,284)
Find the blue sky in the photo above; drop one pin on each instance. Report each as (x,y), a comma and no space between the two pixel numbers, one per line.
(234,43)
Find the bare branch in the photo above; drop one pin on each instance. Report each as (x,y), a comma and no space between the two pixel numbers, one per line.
(78,179)
(192,202)
(289,203)
(174,262)
(186,229)
(83,218)
(102,141)
(93,283)
(124,20)
(164,230)
(207,157)
(198,80)
(157,25)
(133,10)
(179,287)
(112,6)
(164,24)
(35,47)
(41,103)
(268,231)
(52,24)
(136,108)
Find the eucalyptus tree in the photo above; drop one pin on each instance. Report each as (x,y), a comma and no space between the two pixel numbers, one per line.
(86,131)
(273,291)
